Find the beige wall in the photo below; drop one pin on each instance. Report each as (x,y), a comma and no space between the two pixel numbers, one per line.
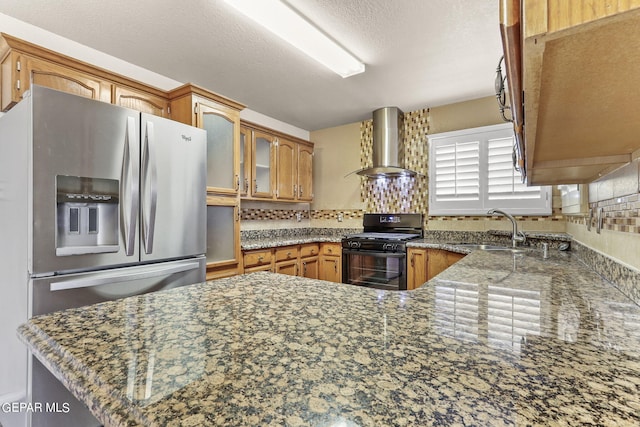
(336,154)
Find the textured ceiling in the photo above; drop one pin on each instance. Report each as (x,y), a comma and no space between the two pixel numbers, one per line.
(418,53)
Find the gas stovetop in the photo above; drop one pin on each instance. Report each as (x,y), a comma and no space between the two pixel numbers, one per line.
(385,232)
(383,236)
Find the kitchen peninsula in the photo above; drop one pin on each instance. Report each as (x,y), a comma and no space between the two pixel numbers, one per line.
(500,338)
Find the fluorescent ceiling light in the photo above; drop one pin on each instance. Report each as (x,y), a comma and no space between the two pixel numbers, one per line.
(278,18)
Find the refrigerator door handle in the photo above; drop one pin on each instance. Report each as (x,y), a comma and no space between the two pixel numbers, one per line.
(98,279)
(150,188)
(129,185)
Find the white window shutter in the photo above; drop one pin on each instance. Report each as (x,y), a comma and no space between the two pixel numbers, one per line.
(457,171)
(503,181)
(471,171)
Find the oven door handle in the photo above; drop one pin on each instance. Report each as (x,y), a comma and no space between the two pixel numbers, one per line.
(380,254)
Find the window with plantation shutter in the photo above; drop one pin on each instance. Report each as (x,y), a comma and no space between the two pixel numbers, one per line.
(458,173)
(471,171)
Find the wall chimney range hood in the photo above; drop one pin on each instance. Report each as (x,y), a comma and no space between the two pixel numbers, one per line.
(388,145)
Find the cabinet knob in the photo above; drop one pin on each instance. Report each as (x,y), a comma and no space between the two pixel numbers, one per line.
(260,258)
(288,254)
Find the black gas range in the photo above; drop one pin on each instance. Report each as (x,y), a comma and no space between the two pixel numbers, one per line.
(376,258)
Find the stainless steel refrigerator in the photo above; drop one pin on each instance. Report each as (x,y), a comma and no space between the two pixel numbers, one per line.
(97,202)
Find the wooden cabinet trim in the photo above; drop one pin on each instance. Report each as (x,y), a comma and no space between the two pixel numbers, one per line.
(190,89)
(275,133)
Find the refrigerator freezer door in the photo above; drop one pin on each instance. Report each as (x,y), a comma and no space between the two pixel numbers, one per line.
(80,289)
(76,290)
(173,189)
(85,171)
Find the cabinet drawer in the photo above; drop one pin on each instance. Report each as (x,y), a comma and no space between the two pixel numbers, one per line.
(309,249)
(260,257)
(287,253)
(332,249)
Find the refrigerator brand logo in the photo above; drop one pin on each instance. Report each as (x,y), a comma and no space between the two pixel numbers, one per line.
(186,138)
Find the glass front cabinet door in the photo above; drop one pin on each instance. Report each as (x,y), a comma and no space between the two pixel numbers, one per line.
(223,148)
(223,237)
(262,165)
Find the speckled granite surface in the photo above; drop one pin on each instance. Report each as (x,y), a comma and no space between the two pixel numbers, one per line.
(498,339)
(262,239)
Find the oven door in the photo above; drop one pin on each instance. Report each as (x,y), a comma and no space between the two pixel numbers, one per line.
(373,269)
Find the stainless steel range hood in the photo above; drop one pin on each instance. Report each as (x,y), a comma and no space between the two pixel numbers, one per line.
(388,145)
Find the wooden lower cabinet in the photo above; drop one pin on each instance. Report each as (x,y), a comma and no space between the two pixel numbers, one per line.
(258,260)
(288,260)
(310,267)
(310,260)
(439,260)
(292,268)
(424,264)
(331,262)
(416,267)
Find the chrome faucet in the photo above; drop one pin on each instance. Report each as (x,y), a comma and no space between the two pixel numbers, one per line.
(516,236)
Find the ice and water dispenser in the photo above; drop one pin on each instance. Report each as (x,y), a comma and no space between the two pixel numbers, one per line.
(87,215)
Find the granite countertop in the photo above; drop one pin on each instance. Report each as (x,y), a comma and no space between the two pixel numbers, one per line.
(273,242)
(271,238)
(497,339)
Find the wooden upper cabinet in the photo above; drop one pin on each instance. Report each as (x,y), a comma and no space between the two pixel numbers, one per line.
(305,172)
(549,16)
(286,172)
(141,101)
(220,117)
(281,165)
(263,160)
(294,170)
(23,64)
(223,148)
(57,77)
(580,60)
(19,71)
(245,160)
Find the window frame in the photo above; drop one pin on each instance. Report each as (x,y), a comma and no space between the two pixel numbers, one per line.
(541,206)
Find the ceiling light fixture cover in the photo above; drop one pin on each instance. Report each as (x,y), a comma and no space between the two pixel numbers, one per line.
(281,20)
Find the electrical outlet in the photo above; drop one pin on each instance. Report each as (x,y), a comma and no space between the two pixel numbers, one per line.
(340,217)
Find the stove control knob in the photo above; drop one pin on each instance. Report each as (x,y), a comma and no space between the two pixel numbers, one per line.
(354,245)
(390,247)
